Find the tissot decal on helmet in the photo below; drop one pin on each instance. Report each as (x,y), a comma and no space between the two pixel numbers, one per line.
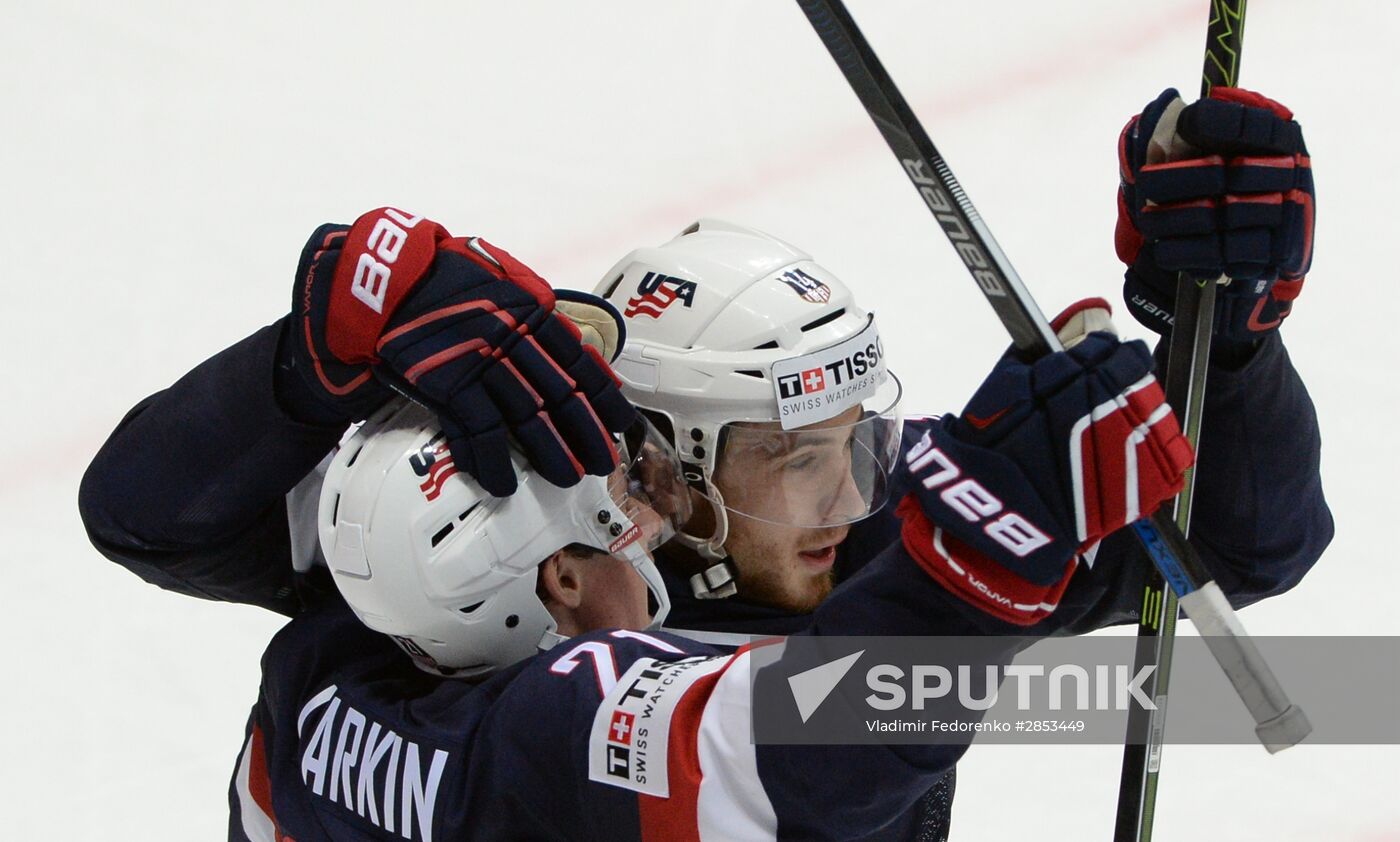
(656,292)
(825,383)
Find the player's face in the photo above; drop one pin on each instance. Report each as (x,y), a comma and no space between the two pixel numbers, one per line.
(808,480)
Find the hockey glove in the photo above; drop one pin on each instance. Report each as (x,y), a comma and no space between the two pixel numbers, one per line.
(463,328)
(1222,186)
(1047,459)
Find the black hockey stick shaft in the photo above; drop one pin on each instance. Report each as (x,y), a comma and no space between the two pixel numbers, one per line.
(1030,333)
(1029,329)
(1187,366)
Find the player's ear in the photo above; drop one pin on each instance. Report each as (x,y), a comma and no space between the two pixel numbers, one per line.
(561,580)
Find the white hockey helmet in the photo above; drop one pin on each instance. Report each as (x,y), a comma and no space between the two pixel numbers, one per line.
(423,554)
(729,328)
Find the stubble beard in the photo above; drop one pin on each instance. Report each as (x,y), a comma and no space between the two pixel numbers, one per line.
(784,585)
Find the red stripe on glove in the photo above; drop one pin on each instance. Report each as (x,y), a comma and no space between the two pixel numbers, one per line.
(972,576)
(456,309)
(444,356)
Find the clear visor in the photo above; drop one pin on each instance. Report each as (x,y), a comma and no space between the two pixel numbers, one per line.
(648,488)
(831,473)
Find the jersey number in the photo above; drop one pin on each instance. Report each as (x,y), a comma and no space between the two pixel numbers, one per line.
(600,654)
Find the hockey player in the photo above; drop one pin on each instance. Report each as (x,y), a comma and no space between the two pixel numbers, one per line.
(210,521)
(734,335)
(539,708)
(721,318)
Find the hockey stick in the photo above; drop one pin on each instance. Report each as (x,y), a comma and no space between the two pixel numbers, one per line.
(1278,723)
(1187,366)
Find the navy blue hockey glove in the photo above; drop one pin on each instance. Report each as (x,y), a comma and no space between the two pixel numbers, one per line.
(1047,459)
(1221,186)
(463,328)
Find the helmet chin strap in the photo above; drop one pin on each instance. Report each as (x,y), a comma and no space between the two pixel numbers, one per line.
(719,579)
(716,581)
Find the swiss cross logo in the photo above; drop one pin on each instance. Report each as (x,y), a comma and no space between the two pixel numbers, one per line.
(822,384)
(631,730)
(802,383)
(620,731)
(656,292)
(806,286)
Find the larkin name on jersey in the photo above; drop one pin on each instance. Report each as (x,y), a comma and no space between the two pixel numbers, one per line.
(367,768)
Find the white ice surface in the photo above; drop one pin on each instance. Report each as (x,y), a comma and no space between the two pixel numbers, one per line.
(163,163)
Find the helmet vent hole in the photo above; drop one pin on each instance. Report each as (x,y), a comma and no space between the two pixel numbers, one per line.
(770,344)
(443,533)
(612,287)
(512,621)
(829,317)
(470,509)
(750,372)
(353,457)
(470,608)
(335,510)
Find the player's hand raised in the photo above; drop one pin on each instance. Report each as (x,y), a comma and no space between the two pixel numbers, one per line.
(464,328)
(1221,186)
(1047,459)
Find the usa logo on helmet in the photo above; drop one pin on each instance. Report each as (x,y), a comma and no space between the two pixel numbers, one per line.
(656,292)
(434,463)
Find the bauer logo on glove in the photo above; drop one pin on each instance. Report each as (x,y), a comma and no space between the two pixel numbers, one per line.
(1046,460)
(386,241)
(467,330)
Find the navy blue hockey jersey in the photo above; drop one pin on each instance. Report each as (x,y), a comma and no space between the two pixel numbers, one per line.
(189,493)
(612,735)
